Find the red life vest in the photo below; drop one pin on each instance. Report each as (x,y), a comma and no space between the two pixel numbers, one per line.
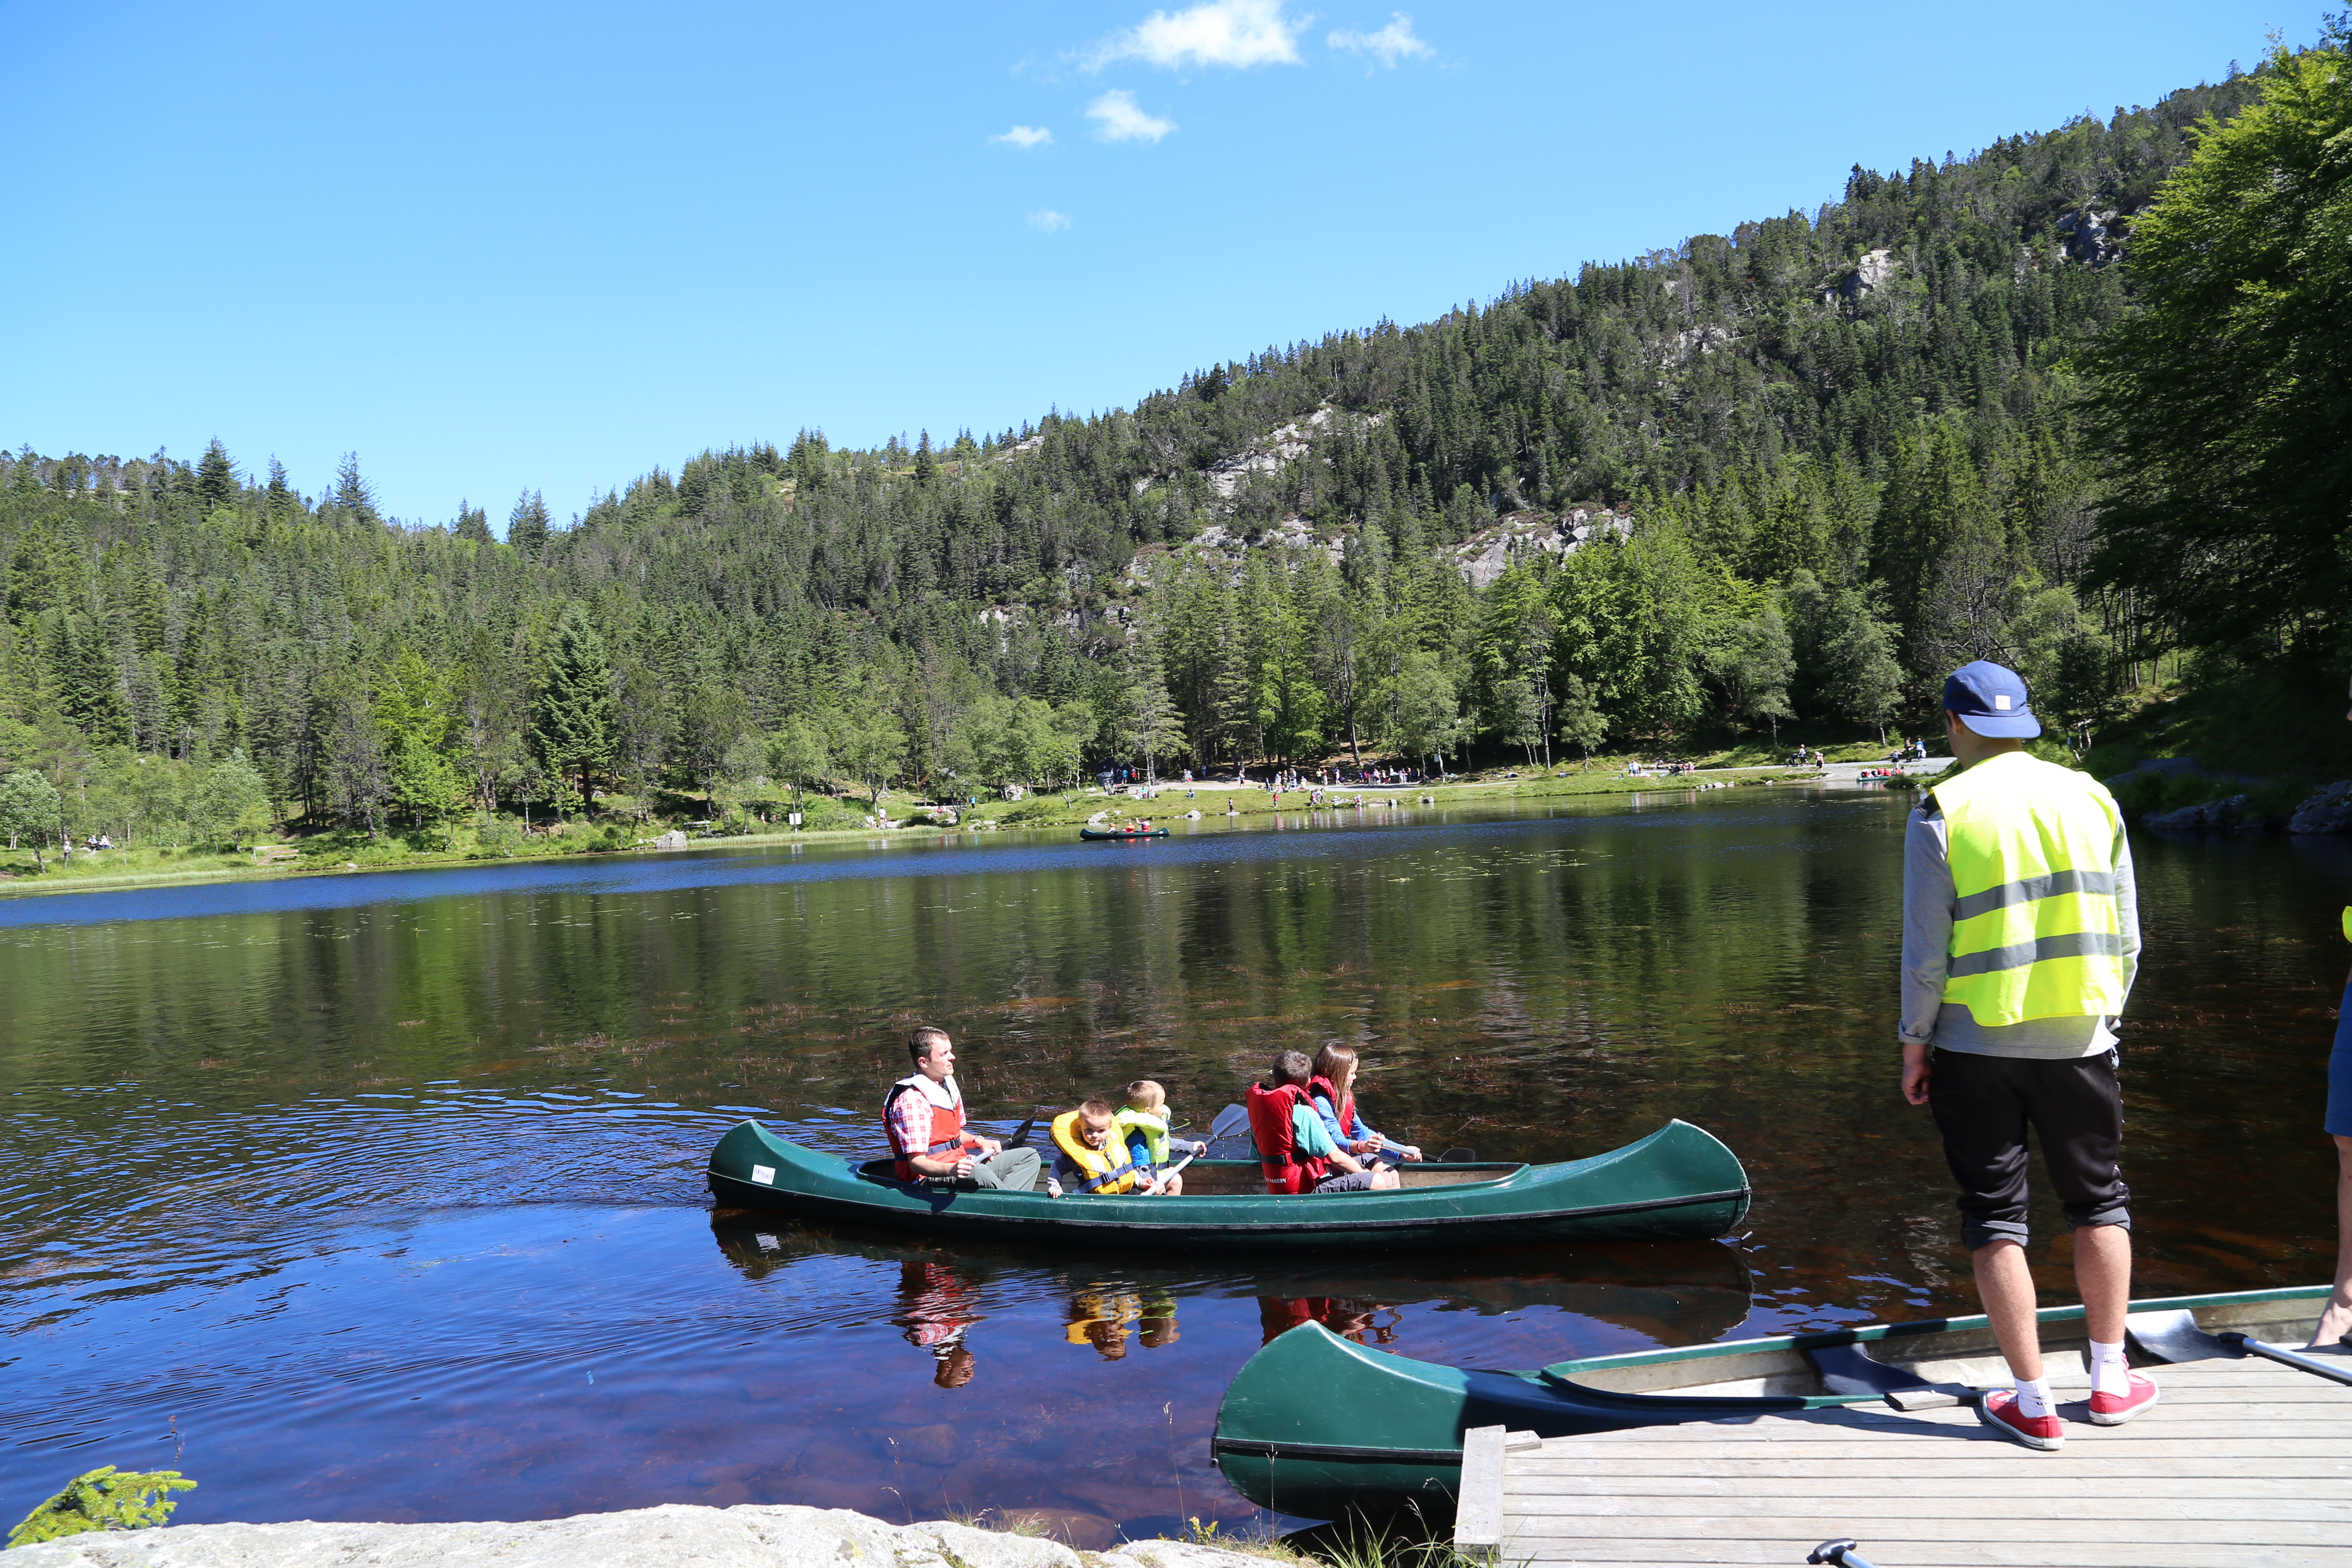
(1344,1111)
(947,1126)
(1277,1140)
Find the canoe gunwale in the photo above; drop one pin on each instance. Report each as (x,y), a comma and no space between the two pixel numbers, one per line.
(1260,1449)
(1876,1333)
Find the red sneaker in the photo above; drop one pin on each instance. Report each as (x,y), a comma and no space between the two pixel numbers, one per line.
(2115,1409)
(1997,1410)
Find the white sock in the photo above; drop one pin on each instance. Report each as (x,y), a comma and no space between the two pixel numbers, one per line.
(2110,1374)
(2032,1397)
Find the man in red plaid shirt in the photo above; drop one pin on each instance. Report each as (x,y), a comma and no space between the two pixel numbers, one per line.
(924,1116)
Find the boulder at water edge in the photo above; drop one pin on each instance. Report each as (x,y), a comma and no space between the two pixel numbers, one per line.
(2329,811)
(751,1535)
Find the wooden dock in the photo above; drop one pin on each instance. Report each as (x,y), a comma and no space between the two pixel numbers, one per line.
(2244,1464)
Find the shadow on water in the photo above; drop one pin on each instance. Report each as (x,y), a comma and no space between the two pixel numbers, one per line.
(382,1198)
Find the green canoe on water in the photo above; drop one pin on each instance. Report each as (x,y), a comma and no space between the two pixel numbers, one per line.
(1679,1182)
(1099,835)
(1322,1429)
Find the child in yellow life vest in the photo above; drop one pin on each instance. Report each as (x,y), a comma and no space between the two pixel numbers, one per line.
(1143,1128)
(1089,1158)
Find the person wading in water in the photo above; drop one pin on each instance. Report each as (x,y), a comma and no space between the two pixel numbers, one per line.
(2020,938)
(923,1115)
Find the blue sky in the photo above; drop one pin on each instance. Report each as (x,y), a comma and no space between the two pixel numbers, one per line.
(496,247)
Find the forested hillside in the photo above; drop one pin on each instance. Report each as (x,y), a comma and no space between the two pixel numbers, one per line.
(1790,473)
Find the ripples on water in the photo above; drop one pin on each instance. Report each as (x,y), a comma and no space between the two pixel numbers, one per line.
(381,1197)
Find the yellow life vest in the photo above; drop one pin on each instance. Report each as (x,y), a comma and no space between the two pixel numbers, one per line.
(2348,922)
(1109,1170)
(1152,1124)
(2035,932)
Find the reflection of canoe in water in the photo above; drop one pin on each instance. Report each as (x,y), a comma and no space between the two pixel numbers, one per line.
(1659,1290)
(1677,1182)
(1316,1427)
(1099,834)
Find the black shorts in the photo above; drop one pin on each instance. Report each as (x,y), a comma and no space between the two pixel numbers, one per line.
(2075,1106)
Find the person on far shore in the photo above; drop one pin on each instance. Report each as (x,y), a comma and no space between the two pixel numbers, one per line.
(2335,1320)
(923,1115)
(2020,940)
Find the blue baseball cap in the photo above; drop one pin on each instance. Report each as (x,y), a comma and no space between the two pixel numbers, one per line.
(1989,698)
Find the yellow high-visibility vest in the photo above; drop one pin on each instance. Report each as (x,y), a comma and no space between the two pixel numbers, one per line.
(2035,932)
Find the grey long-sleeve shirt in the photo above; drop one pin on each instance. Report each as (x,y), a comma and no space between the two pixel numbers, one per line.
(1927,904)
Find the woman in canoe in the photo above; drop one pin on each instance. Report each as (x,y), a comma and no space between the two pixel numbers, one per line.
(1294,1153)
(1332,1090)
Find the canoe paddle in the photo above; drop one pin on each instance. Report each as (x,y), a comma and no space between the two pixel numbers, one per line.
(2175,1337)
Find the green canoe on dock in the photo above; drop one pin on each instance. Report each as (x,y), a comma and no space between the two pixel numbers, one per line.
(1679,1182)
(1322,1429)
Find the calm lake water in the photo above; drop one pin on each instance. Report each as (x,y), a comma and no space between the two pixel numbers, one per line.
(381,1197)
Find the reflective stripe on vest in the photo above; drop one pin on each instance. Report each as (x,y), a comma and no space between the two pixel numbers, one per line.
(2035,931)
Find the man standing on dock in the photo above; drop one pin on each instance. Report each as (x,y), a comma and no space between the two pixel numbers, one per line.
(2020,940)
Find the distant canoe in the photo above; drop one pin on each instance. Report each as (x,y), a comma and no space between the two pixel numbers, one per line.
(1678,1182)
(1317,1426)
(1099,834)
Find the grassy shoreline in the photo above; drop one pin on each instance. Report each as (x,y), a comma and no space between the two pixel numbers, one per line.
(152,869)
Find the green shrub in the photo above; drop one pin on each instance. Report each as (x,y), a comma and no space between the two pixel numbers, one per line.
(1038,809)
(103,1498)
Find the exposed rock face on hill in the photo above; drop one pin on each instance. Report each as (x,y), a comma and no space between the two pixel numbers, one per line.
(1487,556)
(748,1536)
(2093,236)
(1869,270)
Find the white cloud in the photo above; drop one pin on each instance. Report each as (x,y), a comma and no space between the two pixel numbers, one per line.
(1238,33)
(1391,44)
(1121,121)
(1048,220)
(1026,136)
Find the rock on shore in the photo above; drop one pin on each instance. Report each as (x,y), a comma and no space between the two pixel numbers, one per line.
(752,1535)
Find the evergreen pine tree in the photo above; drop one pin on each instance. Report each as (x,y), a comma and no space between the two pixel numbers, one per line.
(571,717)
(217,483)
(352,493)
(473,523)
(527,525)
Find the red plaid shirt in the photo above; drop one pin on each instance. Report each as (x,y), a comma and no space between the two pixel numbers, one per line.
(910,1119)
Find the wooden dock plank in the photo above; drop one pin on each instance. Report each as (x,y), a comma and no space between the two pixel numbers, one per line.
(1783,1551)
(1478,1511)
(1938,1504)
(1636,1490)
(2244,1465)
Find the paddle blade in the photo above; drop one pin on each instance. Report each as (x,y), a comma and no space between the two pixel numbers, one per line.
(1021,1140)
(1231,1123)
(1459,1156)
